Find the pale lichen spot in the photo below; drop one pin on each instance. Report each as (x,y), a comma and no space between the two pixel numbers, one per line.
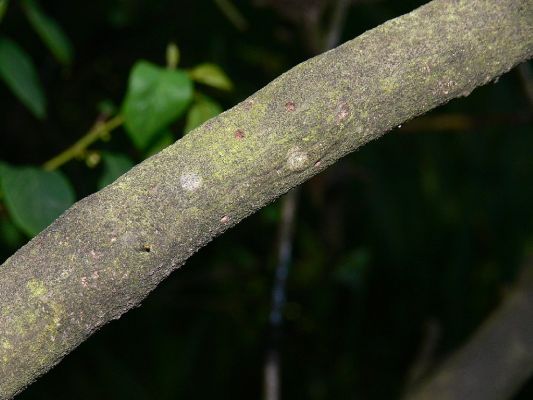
(297,159)
(36,288)
(190,181)
(6,344)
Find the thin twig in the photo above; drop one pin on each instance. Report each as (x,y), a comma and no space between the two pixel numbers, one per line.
(99,130)
(273,361)
(272,370)
(337,23)
(526,75)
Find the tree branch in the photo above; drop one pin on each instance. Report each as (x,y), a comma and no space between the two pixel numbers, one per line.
(107,252)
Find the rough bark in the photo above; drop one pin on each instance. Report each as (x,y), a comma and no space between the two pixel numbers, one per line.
(497,360)
(108,251)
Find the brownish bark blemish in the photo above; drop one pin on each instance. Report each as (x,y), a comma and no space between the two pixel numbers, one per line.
(343,112)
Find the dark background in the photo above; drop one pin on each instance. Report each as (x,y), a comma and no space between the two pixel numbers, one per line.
(426,227)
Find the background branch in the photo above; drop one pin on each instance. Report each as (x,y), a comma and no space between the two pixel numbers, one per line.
(497,360)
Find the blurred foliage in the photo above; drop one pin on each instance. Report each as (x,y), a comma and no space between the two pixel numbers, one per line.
(49,31)
(155,97)
(34,197)
(19,74)
(425,224)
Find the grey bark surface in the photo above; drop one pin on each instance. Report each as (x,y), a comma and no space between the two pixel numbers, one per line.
(108,251)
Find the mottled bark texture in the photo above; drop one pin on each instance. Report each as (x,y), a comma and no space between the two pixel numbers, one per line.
(497,360)
(108,251)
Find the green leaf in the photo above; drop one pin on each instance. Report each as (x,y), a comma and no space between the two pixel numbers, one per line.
(115,165)
(49,31)
(155,98)
(202,110)
(211,75)
(33,197)
(19,74)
